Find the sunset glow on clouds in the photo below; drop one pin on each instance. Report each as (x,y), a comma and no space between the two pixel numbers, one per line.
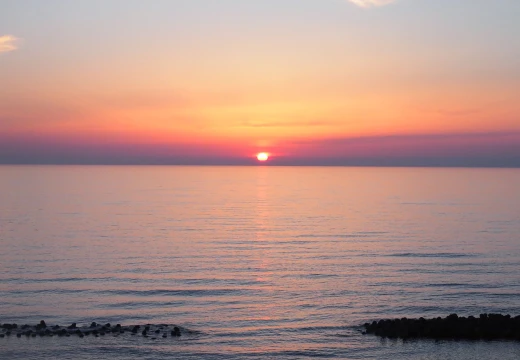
(8,43)
(370,3)
(219,81)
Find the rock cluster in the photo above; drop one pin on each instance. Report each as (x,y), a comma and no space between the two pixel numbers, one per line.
(95,329)
(484,327)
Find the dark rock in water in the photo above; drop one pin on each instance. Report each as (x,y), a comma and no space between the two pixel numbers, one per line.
(486,327)
(176,332)
(41,325)
(2,335)
(42,329)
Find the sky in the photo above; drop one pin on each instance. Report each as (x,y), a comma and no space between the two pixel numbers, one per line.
(312,82)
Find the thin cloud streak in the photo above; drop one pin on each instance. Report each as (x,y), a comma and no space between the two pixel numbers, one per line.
(8,43)
(371,3)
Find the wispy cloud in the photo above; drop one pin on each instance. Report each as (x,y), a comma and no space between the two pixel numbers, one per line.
(8,43)
(285,124)
(371,3)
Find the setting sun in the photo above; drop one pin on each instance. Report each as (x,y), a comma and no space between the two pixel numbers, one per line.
(262,156)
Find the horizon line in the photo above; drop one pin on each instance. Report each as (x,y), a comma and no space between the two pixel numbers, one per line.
(426,166)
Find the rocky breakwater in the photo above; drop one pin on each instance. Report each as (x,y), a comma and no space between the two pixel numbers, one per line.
(41,329)
(484,327)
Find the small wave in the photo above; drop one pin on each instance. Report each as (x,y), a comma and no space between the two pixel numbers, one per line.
(28,292)
(442,285)
(142,304)
(58,279)
(175,292)
(299,354)
(472,286)
(432,255)
(321,328)
(362,234)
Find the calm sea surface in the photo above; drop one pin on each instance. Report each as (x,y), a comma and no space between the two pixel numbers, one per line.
(259,262)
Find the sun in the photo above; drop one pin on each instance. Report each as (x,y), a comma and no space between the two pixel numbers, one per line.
(262,156)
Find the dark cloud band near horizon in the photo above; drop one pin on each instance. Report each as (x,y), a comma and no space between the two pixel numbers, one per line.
(481,149)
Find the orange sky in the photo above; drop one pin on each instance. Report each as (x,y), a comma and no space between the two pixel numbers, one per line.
(235,79)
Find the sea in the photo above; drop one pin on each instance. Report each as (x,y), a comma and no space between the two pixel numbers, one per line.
(256,262)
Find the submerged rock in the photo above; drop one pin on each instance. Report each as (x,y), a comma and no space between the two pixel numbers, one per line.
(41,325)
(176,332)
(486,327)
(42,329)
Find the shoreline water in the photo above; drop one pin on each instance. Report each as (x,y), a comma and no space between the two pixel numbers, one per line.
(484,327)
